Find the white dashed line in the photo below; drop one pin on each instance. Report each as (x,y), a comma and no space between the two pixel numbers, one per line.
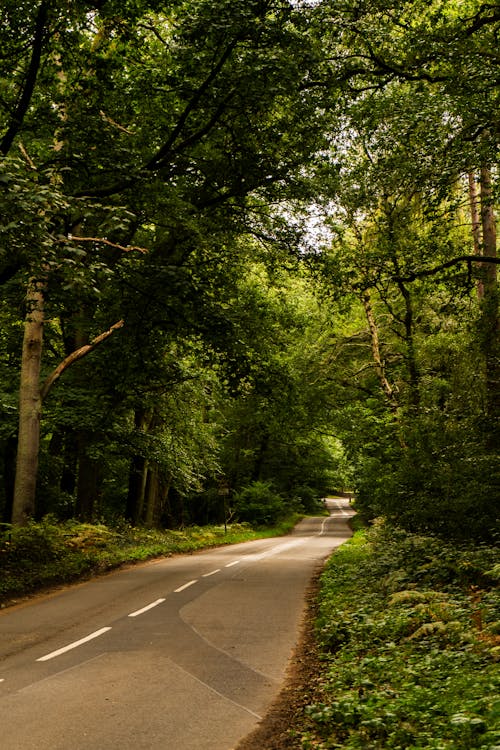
(186,586)
(274,550)
(212,573)
(73,645)
(145,609)
(97,633)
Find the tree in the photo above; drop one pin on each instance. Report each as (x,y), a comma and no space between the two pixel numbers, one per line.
(157,165)
(223,119)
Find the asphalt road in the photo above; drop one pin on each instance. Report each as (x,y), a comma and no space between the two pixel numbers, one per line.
(183,653)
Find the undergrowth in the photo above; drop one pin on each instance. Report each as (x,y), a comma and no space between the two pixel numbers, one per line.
(409,629)
(49,553)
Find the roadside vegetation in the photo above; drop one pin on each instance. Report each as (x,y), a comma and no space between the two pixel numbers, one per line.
(409,634)
(49,553)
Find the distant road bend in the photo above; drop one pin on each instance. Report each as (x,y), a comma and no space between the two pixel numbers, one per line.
(182,653)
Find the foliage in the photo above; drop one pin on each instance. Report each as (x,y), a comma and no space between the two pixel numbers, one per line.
(307,499)
(259,504)
(153,146)
(408,628)
(275,198)
(415,421)
(418,421)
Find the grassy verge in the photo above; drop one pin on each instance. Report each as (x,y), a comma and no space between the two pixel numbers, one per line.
(46,554)
(409,632)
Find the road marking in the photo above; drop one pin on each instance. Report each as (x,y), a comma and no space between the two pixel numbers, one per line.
(186,586)
(323,527)
(73,645)
(342,508)
(274,550)
(230,565)
(145,609)
(212,573)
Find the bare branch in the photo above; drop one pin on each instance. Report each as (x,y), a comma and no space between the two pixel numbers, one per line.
(28,158)
(115,124)
(376,353)
(75,356)
(102,240)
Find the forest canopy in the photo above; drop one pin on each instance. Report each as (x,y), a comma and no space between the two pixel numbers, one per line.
(248,257)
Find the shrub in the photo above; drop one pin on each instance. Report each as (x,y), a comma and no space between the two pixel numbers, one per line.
(35,542)
(259,504)
(307,498)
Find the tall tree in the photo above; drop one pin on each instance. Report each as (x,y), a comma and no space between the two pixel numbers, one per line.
(223,116)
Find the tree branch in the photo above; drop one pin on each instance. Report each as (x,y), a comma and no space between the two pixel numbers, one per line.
(397,70)
(115,124)
(29,83)
(28,158)
(449,264)
(211,123)
(162,154)
(482,18)
(124,248)
(75,356)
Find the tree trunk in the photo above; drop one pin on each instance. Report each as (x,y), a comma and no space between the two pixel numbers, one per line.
(408,320)
(489,227)
(411,359)
(136,486)
(475,216)
(30,407)
(70,462)
(156,497)
(9,474)
(173,508)
(489,303)
(89,474)
(257,472)
(377,358)
(144,421)
(152,496)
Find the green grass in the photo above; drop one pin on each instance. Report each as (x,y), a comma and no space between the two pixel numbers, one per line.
(48,553)
(409,631)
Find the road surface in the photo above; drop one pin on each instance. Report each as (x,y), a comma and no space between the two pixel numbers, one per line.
(182,653)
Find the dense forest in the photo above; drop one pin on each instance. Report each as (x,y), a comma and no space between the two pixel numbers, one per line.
(248,257)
